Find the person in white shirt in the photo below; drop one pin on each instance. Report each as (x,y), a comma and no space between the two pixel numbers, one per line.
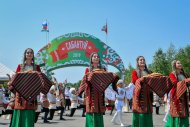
(1,101)
(45,106)
(82,103)
(156,102)
(74,101)
(67,98)
(60,101)
(119,103)
(38,111)
(52,102)
(7,113)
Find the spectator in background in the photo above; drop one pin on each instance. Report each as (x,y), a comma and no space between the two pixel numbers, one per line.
(156,102)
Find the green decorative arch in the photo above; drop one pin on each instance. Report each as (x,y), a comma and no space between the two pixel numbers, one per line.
(74,49)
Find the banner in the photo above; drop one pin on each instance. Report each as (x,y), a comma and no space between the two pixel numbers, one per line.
(74,49)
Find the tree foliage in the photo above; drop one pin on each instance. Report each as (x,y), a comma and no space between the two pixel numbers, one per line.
(170,56)
(128,74)
(160,63)
(75,85)
(183,55)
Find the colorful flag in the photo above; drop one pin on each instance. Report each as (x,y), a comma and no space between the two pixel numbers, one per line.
(45,27)
(105,28)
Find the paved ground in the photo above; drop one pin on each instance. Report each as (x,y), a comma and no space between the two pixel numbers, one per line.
(78,121)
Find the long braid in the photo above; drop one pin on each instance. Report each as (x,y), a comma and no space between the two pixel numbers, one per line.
(183,72)
(146,69)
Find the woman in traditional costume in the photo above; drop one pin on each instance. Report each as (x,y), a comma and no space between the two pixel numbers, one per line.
(179,111)
(142,117)
(95,105)
(24,111)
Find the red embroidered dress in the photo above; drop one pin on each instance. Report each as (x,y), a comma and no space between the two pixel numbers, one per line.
(179,111)
(95,94)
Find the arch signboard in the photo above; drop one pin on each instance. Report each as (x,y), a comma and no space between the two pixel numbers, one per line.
(74,49)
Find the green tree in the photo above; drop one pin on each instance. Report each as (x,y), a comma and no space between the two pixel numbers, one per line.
(183,55)
(128,73)
(160,63)
(75,85)
(170,56)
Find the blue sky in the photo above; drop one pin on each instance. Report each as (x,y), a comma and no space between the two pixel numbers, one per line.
(134,27)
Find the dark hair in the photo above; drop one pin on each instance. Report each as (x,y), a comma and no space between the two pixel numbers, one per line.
(24,58)
(91,64)
(145,68)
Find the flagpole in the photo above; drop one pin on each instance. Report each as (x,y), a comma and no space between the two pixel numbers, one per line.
(106,40)
(45,29)
(47,40)
(47,33)
(106,32)
(46,37)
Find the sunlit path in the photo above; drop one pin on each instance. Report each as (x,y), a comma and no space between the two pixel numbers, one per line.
(78,121)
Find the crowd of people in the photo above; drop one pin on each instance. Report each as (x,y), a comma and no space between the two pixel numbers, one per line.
(90,96)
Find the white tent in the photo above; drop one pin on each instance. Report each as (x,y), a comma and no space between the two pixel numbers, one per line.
(4,71)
